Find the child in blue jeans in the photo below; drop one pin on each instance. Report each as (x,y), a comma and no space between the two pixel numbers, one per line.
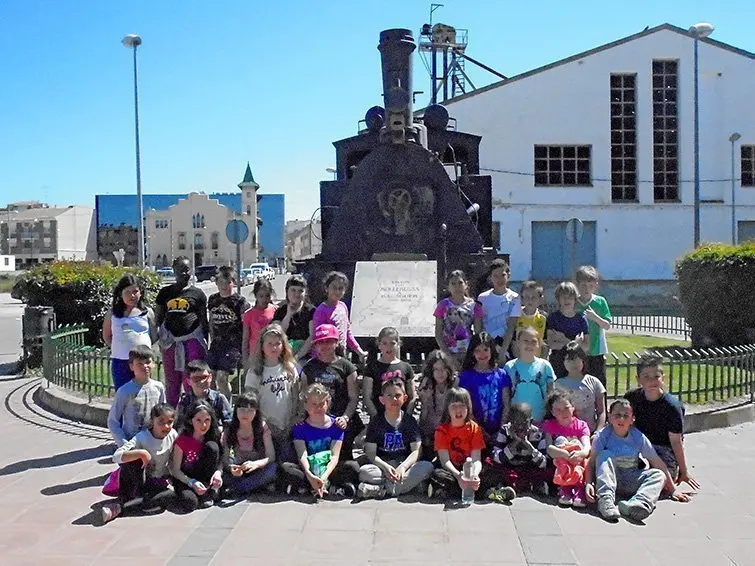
(614,461)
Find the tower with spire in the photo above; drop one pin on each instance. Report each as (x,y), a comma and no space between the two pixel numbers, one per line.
(250,214)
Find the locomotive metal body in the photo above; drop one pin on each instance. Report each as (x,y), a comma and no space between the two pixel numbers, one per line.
(406,188)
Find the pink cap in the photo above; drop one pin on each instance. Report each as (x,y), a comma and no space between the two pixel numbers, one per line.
(326,332)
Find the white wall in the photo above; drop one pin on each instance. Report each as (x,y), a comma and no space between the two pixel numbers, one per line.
(76,234)
(570,104)
(7,263)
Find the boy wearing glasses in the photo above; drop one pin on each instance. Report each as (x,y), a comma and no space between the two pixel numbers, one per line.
(392,447)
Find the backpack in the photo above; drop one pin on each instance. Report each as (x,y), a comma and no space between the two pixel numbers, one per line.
(539,380)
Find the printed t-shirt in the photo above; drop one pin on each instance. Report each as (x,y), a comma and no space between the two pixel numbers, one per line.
(536,321)
(457,323)
(623,450)
(393,442)
(459,441)
(333,377)
(256,320)
(497,309)
(225,315)
(529,383)
(656,419)
(317,439)
(244,451)
(583,393)
(485,390)
(277,391)
(577,430)
(183,308)
(381,372)
(192,449)
(571,326)
(598,343)
(298,327)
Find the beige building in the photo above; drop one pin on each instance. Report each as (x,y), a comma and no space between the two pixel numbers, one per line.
(37,233)
(195,227)
(303,239)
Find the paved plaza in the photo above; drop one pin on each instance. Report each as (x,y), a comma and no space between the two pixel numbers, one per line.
(51,471)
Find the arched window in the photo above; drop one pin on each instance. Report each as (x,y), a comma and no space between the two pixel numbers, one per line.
(214,240)
(248,209)
(198,242)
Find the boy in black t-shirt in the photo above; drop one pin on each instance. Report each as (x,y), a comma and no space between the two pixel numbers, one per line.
(392,446)
(660,416)
(225,309)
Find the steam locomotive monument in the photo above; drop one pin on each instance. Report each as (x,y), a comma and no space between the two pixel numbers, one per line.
(407,189)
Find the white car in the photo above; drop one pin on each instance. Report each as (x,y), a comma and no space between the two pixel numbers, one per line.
(262,270)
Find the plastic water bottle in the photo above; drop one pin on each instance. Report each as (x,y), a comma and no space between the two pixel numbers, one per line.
(467,494)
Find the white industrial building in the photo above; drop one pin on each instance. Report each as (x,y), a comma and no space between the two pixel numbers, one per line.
(607,136)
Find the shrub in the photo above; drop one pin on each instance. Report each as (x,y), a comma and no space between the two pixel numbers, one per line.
(717,293)
(79,291)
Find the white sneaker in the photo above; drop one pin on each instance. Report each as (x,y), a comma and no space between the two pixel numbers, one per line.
(370,491)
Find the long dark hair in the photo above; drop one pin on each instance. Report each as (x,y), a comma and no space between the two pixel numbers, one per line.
(481,339)
(119,307)
(556,396)
(428,380)
(248,400)
(212,434)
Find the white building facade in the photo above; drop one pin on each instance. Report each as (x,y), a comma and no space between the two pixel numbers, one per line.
(606,136)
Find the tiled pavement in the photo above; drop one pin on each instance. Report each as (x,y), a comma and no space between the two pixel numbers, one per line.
(51,472)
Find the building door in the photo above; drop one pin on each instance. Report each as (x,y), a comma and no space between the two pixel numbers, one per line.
(745,231)
(556,258)
(198,258)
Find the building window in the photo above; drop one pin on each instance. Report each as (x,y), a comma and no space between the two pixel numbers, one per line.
(665,131)
(248,209)
(182,240)
(161,224)
(198,221)
(748,165)
(198,242)
(623,138)
(214,240)
(562,165)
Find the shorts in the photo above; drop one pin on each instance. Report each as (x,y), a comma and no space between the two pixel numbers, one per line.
(666,453)
(223,359)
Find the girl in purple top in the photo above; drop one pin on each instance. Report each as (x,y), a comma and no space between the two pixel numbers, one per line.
(334,311)
(457,318)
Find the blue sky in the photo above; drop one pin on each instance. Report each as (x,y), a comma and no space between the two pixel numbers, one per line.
(224,82)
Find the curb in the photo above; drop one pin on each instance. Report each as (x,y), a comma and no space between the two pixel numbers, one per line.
(721,417)
(63,404)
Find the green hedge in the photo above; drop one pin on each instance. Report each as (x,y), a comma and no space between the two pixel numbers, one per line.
(79,291)
(717,291)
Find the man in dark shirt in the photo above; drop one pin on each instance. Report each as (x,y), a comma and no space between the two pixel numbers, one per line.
(660,417)
(392,446)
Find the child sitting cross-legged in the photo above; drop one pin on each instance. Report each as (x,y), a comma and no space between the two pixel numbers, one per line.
(614,463)
(518,461)
(392,446)
(317,441)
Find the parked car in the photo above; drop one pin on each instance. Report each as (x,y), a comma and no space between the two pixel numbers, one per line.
(165,272)
(206,272)
(247,276)
(264,269)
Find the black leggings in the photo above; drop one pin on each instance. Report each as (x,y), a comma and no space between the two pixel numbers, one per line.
(445,480)
(137,492)
(202,471)
(344,472)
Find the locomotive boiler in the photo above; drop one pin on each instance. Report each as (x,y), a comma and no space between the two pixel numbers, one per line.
(407,187)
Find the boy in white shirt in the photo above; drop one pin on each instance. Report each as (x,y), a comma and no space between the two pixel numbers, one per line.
(501,308)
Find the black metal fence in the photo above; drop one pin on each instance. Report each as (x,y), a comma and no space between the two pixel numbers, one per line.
(694,375)
(655,324)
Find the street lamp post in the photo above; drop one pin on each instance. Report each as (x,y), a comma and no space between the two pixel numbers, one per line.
(133,41)
(698,31)
(733,138)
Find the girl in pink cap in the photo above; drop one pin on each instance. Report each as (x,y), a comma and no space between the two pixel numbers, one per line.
(339,376)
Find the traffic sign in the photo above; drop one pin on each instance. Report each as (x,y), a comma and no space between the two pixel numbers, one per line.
(237,231)
(575,228)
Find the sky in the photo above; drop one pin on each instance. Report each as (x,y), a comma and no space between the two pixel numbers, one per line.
(224,82)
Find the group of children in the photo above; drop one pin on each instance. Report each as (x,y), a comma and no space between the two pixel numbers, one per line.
(505,423)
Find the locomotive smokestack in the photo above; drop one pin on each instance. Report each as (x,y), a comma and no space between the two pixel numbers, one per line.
(396,47)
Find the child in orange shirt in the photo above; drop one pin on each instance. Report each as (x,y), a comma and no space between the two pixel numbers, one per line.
(457,438)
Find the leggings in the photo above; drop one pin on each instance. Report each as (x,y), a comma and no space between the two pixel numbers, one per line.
(521,478)
(344,472)
(246,484)
(138,492)
(173,379)
(202,471)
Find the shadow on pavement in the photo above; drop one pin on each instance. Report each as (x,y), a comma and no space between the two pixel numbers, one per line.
(60,489)
(57,460)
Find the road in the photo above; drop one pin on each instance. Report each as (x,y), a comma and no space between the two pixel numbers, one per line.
(279,286)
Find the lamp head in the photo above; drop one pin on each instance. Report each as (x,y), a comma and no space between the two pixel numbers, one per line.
(131,40)
(703,29)
(735,137)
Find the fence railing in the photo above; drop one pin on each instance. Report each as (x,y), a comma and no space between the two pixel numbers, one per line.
(68,362)
(656,324)
(694,375)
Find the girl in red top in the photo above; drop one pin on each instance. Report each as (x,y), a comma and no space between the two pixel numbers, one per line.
(457,438)
(256,319)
